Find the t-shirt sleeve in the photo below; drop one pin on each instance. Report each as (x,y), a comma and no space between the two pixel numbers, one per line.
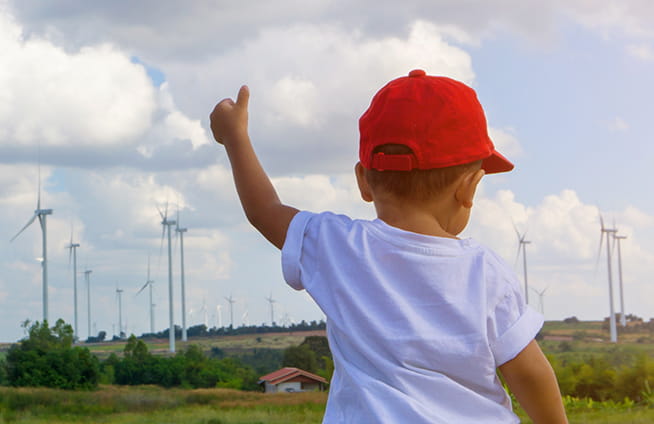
(292,249)
(514,325)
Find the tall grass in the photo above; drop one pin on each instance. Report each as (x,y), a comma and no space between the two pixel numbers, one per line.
(155,405)
(149,404)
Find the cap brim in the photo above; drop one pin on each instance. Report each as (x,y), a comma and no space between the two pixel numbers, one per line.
(496,163)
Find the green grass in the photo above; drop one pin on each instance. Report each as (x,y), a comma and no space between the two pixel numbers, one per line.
(229,344)
(147,404)
(154,405)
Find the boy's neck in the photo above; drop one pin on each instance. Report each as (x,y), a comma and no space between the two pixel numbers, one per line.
(429,220)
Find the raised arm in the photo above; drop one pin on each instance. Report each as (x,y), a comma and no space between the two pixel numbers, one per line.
(531,379)
(264,210)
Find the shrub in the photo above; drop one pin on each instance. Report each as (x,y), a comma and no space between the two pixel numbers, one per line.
(45,358)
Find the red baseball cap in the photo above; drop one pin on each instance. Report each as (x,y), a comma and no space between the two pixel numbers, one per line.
(438,118)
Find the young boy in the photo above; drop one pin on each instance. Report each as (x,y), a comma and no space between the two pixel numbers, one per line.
(418,320)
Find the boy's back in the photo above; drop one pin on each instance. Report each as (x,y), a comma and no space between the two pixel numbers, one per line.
(417,324)
(418,320)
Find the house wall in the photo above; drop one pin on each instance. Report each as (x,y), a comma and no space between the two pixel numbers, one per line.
(294,386)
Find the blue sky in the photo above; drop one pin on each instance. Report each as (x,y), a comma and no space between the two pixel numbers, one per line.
(118,101)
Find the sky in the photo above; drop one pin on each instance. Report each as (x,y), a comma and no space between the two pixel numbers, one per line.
(104,110)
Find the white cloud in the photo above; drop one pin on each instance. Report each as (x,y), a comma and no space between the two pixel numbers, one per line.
(95,95)
(618,124)
(641,51)
(505,142)
(75,103)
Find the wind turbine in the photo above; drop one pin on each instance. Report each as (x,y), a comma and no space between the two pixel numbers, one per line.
(522,245)
(623,318)
(119,296)
(272,310)
(180,232)
(205,314)
(219,317)
(72,251)
(231,301)
(167,223)
(149,283)
(608,232)
(245,318)
(87,277)
(41,214)
(541,294)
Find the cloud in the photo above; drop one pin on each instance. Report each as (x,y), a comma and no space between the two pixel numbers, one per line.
(87,107)
(505,142)
(94,96)
(618,124)
(643,52)
(306,98)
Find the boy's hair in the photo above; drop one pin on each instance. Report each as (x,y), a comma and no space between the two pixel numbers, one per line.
(417,184)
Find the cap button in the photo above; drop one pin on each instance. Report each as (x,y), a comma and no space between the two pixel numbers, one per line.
(417,73)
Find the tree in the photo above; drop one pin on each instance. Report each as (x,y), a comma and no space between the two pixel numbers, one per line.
(300,357)
(45,358)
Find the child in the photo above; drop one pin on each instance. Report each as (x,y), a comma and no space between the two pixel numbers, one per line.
(418,320)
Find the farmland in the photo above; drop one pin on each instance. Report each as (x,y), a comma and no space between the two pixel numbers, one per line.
(579,351)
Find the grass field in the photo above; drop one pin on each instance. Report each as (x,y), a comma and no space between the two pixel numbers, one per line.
(229,344)
(147,404)
(154,405)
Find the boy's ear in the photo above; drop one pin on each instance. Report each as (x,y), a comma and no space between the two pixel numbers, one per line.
(362,182)
(465,192)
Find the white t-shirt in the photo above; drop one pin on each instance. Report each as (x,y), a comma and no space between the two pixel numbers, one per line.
(417,325)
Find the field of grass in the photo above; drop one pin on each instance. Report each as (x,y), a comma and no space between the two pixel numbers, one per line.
(146,404)
(229,344)
(154,405)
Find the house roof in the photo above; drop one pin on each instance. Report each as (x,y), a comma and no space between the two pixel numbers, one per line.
(288,373)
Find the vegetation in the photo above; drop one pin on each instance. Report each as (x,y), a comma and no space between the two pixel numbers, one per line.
(147,404)
(601,382)
(202,331)
(46,358)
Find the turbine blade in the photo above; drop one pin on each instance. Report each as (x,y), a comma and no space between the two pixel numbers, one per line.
(38,198)
(515,228)
(599,251)
(142,288)
(26,225)
(148,266)
(163,218)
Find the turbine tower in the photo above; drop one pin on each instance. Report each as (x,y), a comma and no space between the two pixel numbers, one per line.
(541,294)
(623,318)
(272,310)
(87,277)
(180,232)
(72,251)
(41,214)
(205,314)
(522,245)
(149,283)
(608,232)
(119,296)
(167,223)
(219,317)
(231,301)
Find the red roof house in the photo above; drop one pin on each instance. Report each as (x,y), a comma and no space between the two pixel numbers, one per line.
(292,380)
